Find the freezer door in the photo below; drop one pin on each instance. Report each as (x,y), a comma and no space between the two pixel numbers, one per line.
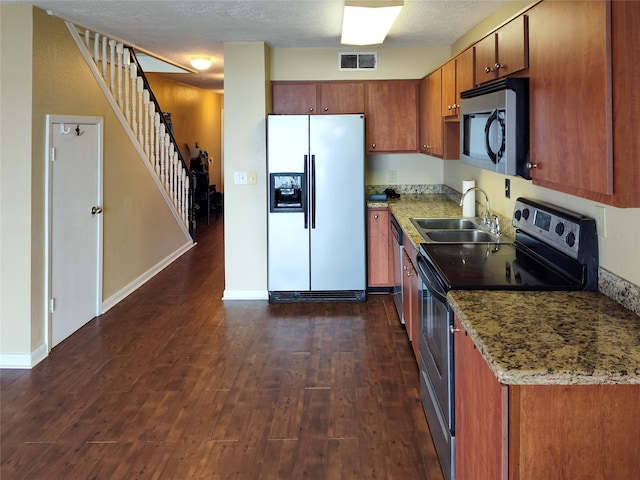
(337,202)
(287,237)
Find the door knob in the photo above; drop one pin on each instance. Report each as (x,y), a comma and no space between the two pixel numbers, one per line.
(96,210)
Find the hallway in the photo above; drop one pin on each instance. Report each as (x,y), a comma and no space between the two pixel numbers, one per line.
(172,383)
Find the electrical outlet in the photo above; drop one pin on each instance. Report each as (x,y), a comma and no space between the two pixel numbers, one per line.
(507,188)
(240,178)
(601,221)
(253,178)
(392,176)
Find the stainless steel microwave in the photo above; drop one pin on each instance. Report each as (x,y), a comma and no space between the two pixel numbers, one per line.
(494,127)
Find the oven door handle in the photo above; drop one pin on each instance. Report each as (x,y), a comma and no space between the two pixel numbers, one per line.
(430,279)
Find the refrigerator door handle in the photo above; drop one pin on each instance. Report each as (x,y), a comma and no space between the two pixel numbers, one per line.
(305,202)
(313,191)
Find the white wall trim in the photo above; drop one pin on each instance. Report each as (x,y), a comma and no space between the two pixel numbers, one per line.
(245,295)
(23,361)
(112,301)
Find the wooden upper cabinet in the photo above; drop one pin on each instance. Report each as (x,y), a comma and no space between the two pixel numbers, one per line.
(293,98)
(340,97)
(457,76)
(311,98)
(570,92)
(391,109)
(431,114)
(503,52)
(449,96)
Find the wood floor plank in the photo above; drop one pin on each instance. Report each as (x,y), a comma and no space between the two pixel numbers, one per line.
(174,383)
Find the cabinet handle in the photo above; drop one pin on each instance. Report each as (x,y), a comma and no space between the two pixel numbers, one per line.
(373,145)
(409,274)
(311,109)
(498,65)
(375,216)
(453,329)
(530,165)
(326,109)
(488,69)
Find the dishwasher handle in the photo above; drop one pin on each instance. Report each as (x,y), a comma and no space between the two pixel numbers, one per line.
(396,231)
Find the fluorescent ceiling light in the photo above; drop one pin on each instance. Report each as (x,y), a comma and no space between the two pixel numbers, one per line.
(201,63)
(368,22)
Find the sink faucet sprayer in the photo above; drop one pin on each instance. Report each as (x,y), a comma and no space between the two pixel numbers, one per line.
(491,220)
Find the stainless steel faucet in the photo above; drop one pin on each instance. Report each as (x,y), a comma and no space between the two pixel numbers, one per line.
(486,217)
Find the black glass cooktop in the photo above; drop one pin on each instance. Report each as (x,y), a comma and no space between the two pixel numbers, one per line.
(489,266)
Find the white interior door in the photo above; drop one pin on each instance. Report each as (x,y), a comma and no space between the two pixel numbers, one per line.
(75,223)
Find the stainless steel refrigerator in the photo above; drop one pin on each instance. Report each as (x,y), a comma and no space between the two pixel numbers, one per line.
(316,217)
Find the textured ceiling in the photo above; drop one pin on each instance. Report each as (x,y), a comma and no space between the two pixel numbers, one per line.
(177,30)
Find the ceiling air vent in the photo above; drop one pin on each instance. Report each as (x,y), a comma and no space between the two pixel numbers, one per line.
(358,61)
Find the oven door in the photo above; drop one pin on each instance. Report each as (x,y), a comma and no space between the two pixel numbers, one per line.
(436,363)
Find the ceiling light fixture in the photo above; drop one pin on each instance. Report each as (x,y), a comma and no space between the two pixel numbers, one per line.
(201,63)
(367,22)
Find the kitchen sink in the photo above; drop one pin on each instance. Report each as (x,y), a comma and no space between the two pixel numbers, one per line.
(445,223)
(454,230)
(461,236)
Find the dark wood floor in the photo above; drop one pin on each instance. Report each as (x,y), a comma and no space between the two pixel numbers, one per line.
(172,383)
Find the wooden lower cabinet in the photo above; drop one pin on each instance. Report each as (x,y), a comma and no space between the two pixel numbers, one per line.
(523,432)
(410,294)
(379,253)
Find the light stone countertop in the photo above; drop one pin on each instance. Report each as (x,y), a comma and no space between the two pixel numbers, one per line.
(536,338)
(544,338)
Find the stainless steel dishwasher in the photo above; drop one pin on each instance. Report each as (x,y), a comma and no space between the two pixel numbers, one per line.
(396,233)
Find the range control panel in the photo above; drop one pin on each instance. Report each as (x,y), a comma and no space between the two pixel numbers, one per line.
(564,230)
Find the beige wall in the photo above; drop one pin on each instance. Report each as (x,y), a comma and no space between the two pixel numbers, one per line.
(196,115)
(245,217)
(16,31)
(139,230)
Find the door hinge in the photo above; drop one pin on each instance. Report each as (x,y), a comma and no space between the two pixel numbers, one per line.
(52,156)
(52,305)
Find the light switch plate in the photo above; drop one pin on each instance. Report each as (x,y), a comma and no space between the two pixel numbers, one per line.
(253,178)
(240,178)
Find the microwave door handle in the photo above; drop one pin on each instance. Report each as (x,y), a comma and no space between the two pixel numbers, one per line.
(494,117)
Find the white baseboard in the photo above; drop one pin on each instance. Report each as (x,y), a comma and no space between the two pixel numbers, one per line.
(245,295)
(112,301)
(23,361)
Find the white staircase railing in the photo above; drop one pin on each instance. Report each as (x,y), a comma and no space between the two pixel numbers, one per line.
(121,79)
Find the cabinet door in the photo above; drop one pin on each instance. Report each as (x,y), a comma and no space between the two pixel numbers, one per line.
(379,254)
(570,92)
(431,114)
(464,73)
(481,409)
(341,97)
(391,109)
(485,56)
(449,92)
(513,47)
(293,98)
(503,52)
